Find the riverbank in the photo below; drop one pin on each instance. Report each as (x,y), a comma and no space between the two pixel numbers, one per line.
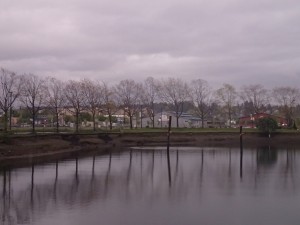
(32,149)
(47,144)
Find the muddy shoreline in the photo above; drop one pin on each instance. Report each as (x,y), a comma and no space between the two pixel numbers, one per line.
(48,147)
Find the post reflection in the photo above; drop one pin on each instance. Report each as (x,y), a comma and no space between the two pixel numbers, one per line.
(93,166)
(4,182)
(201,168)
(169,168)
(229,166)
(32,186)
(55,182)
(176,167)
(4,213)
(106,182)
(76,169)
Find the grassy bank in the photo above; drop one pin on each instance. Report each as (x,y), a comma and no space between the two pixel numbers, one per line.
(47,130)
(24,143)
(25,147)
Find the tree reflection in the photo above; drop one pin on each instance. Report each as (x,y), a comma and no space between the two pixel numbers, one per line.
(266,156)
(142,175)
(289,170)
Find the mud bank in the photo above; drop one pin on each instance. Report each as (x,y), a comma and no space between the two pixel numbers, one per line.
(31,146)
(212,139)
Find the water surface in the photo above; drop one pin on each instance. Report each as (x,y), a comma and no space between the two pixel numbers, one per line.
(206,186)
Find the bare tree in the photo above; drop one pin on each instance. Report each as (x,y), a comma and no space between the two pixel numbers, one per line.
(109,105)
(129,95)
(287,98)
(93,95)
(33,95)
(257,96)
(175,92)
(201,95)
(56,98)
(76,100)
(149,97)
(10,88)
(227,96)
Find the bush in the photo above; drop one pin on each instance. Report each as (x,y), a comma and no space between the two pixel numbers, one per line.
(267,125)
(295,126)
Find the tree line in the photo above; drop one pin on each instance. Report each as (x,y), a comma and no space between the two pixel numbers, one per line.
(197,97)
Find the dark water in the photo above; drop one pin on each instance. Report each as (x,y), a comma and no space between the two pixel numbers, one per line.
(207,186)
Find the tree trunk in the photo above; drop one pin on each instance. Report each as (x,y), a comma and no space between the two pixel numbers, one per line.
(33,121)
(177,121)
(77,122)
(57,125)
(153,122)
(130,118)
(110,120)
(5,121)
(202,121)
(94,121)
(229,119)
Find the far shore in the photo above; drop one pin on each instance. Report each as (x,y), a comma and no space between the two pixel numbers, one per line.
(46,144)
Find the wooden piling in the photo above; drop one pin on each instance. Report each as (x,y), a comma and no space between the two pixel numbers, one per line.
(168,150)
(241,151)
(76,168)
(56,169)
(93,167)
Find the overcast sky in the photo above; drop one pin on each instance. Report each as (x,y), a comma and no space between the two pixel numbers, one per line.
(233,41)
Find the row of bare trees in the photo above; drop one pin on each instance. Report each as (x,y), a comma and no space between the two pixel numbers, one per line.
(34,93)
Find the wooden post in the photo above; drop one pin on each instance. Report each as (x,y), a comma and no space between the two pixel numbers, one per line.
(56,169)
(32,174)
(241,151)
(168,150)
(169,132)
(76,169)
(130,160)
(93,167)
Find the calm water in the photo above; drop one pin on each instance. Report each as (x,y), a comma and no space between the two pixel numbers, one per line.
(206,186)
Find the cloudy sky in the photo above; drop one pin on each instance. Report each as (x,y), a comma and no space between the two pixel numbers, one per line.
(233,41)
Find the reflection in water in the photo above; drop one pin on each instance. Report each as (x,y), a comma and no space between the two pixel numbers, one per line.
(136,181)
(241,153)
(266,156)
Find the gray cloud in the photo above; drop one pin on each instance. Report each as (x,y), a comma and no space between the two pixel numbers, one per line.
(233,41)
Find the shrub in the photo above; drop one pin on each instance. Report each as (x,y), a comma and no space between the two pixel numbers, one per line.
(295,126)
(267,125)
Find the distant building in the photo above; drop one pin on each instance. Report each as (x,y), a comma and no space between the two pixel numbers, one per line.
(162,120)
(250,121)
(14,121)
(41,120)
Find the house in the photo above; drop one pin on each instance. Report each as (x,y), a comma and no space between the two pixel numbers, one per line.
(41,120)
(215,123)
(162,120)
(250,121)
